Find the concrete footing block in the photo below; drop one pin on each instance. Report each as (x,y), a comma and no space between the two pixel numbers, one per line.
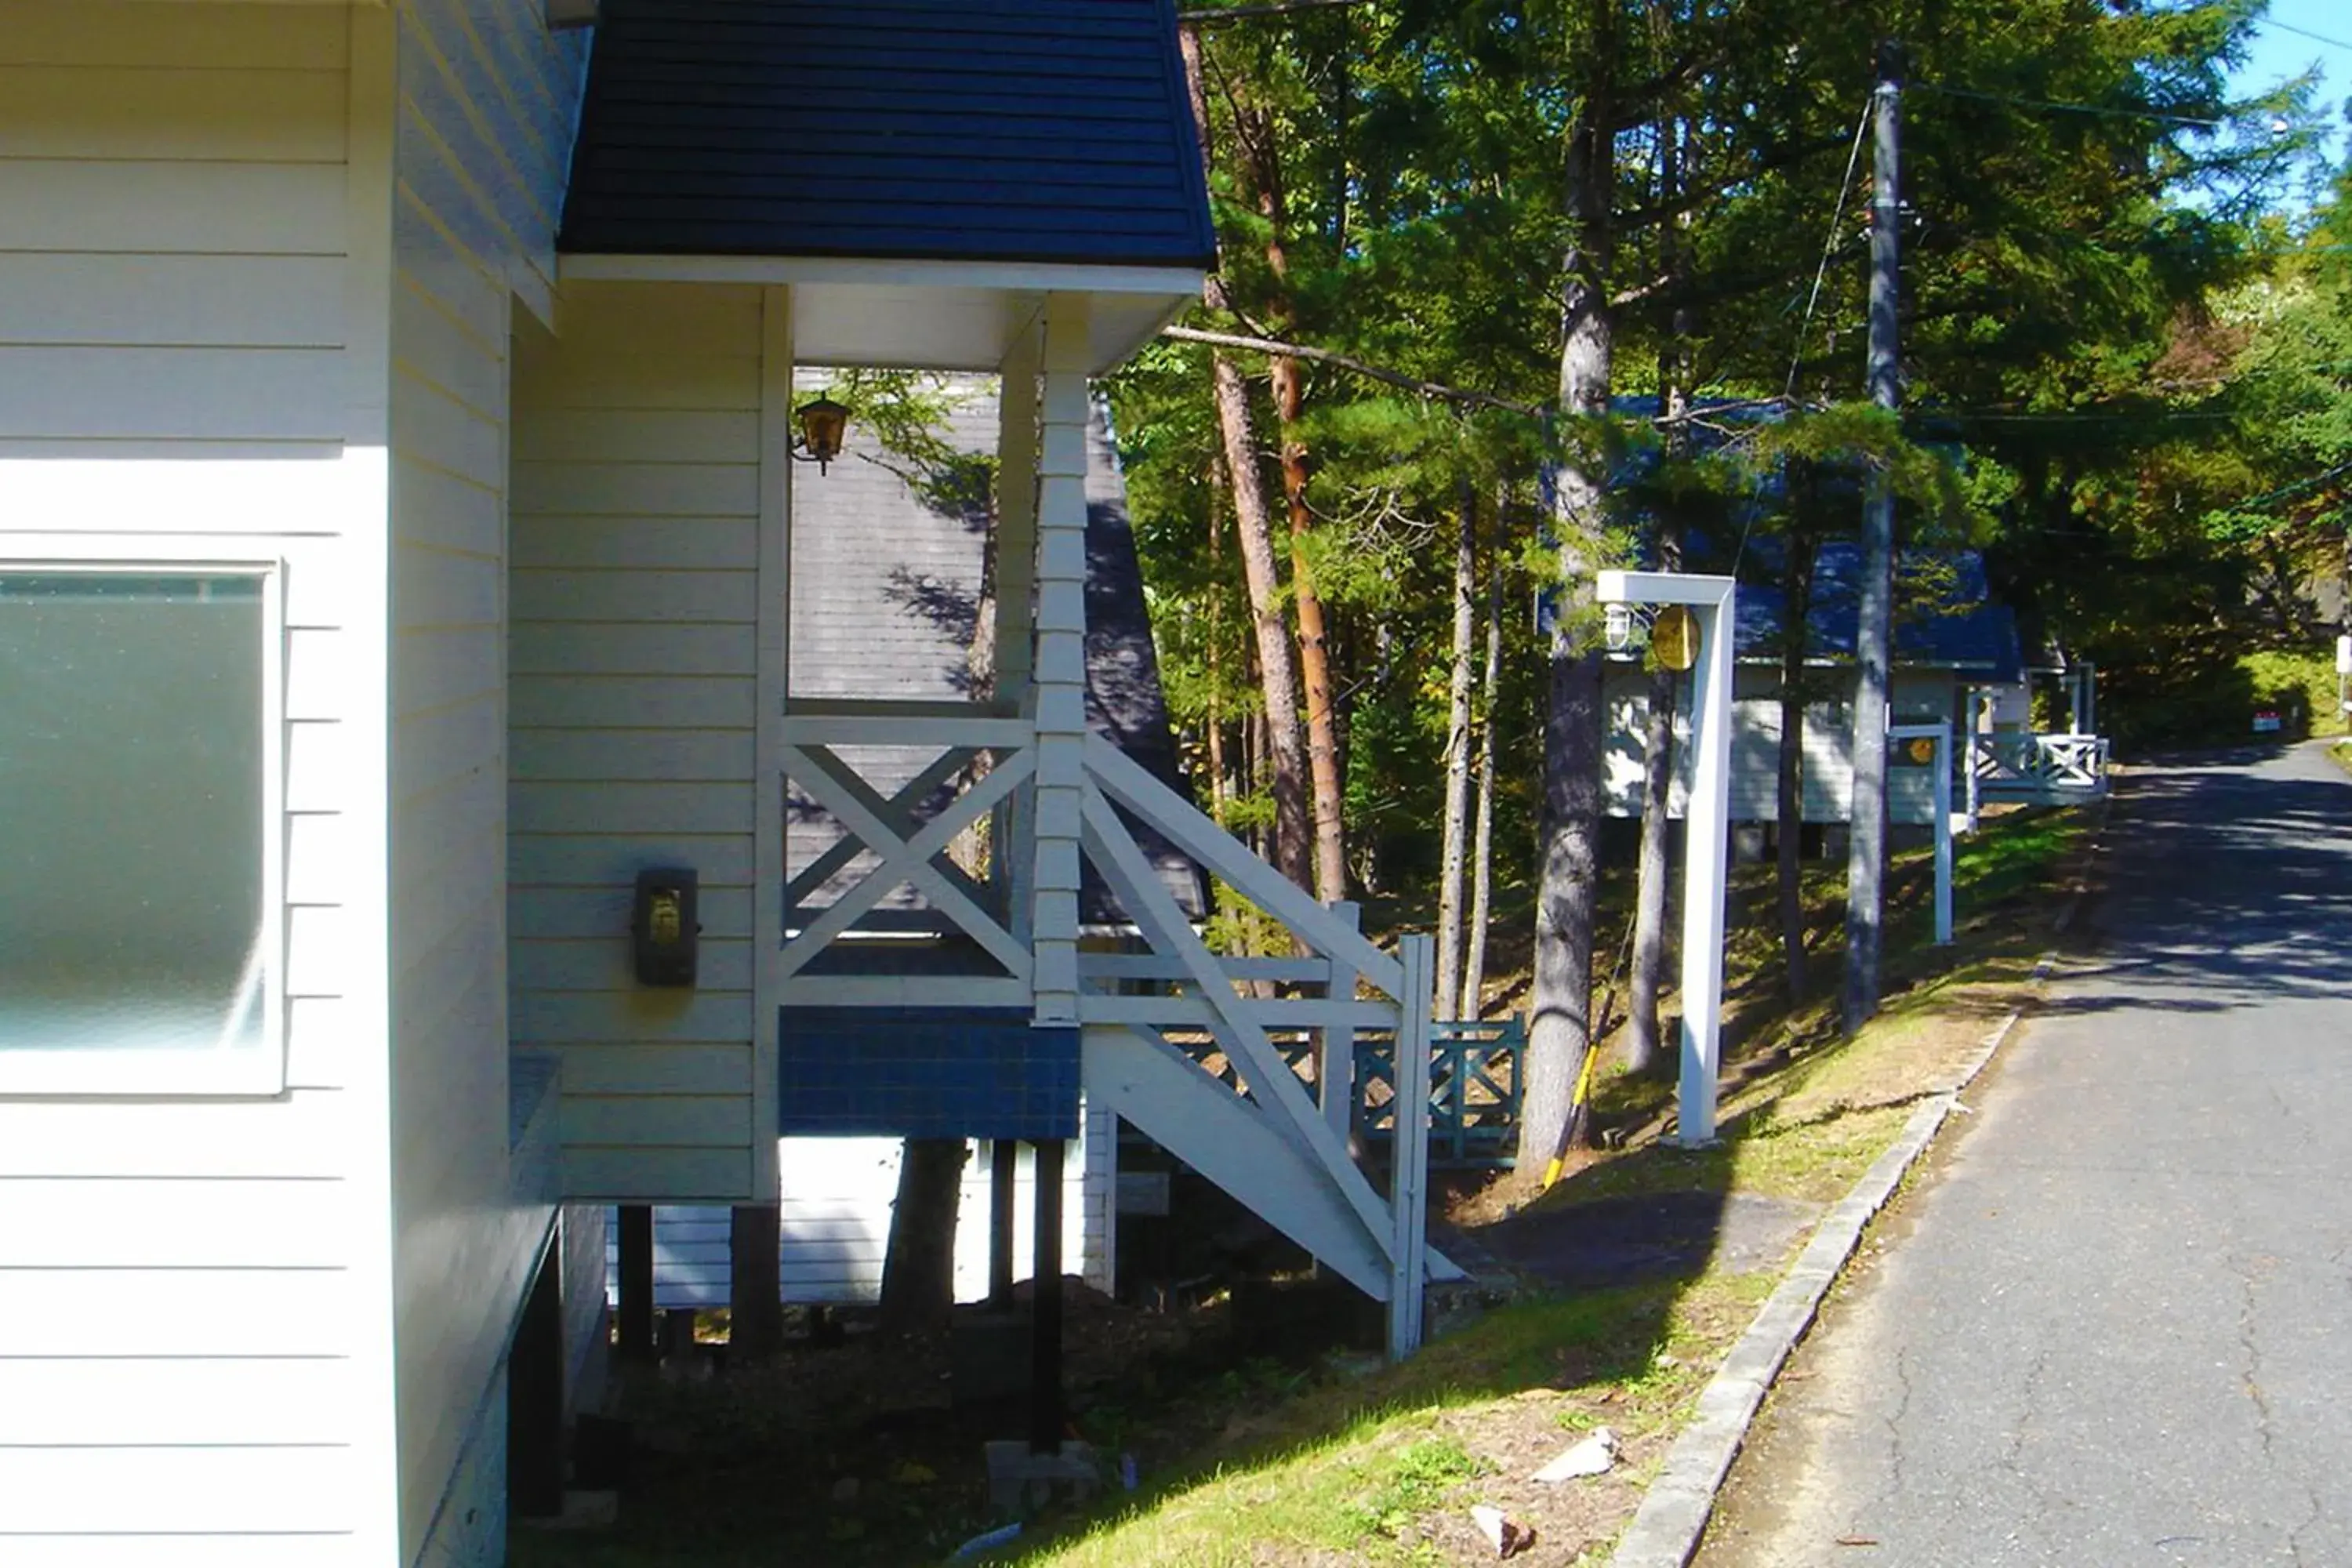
(1019,1478)
(582,1510)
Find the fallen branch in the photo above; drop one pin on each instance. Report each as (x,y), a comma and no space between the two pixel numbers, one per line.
(1412,384)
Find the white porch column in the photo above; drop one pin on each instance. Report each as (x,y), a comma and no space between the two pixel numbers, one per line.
(1017,510)
(1013,865)
(1057,699)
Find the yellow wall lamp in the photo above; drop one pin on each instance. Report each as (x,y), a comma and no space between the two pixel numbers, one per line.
(824,423)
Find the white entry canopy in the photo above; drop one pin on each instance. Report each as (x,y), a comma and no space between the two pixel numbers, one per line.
(935,315)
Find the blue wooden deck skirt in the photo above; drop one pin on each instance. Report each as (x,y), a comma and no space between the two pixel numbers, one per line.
(910,1072)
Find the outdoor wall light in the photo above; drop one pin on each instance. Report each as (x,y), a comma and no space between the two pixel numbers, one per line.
(824,422)
(664,928)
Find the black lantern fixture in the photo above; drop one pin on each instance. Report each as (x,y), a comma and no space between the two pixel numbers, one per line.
(824,422)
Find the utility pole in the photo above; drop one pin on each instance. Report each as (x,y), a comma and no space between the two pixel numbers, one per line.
(1865,903)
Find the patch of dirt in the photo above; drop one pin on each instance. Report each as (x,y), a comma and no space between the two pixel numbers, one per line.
(850,1446)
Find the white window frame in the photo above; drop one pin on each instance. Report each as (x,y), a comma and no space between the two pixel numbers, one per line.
(256,1073)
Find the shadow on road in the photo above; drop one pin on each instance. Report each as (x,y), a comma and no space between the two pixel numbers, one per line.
(2224,888)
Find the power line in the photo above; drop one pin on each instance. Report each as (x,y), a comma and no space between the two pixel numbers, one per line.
(2064,108)
(2303,32)
(1805,327)
(2297,487)
(1828,244)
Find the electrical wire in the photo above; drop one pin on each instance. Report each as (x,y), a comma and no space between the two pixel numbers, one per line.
(1812,301)
(2303,32)
(2296,488)
(2064,108)
(1828,244)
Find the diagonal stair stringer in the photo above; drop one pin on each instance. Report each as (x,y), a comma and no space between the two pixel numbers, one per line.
(1234,1143)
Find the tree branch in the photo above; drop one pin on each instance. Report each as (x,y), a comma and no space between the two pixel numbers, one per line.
(1377,372)
(1211,18)
(1786,155)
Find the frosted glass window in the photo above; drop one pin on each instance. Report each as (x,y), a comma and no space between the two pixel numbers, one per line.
(134,794)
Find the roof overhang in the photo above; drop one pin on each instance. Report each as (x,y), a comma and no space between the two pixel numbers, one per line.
(925,314)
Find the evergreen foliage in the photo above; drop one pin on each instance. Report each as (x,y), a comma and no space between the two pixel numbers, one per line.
(2127,378)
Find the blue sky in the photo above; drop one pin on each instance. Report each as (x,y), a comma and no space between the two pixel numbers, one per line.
(2280,54)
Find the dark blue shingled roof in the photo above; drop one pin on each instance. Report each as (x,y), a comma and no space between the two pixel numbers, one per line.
(1946,616)
(1043,131)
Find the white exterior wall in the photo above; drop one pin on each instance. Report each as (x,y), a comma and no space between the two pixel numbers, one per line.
(1828,770)
(485,104)
(637,595)
(194,1352)
(836,1218)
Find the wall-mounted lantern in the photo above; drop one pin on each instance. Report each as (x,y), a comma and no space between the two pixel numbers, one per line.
(664,926)
(824,424)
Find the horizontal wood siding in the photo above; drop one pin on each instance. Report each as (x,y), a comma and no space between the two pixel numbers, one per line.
(171,263)
(182,1365)
(635,596)
(481,138)
(1827,770)
(836,1218)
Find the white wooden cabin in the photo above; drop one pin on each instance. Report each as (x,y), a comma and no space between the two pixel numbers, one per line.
(453,403)
(1944,655)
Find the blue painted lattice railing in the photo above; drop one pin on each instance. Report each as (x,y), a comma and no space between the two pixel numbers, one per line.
(1473,1088)
(1474,1091)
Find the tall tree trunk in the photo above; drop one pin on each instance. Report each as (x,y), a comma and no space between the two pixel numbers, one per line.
(918,1270)
(1568,889)
(1262,157)
(1218,786)
(1789,785)
(1482,849)
(1314,650)
(1644,1042)
(1254,526)
(1279,676)
(1645,1047)
(1456,830)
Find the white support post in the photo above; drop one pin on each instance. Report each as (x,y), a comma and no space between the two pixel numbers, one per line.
(1708,822)
(1708,826)
(1056,699)
(1409,1182)
(1012,860)
(1335,1075)
(1016,511)
(1980,720)
(771,684)
(1941,734)
(1944,837)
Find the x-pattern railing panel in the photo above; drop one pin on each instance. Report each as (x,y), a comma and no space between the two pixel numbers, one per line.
(909,852)
(2074,763)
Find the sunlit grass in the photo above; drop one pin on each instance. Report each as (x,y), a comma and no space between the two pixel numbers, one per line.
(1344,1473)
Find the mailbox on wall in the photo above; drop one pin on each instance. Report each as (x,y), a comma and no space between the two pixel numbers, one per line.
(663,927)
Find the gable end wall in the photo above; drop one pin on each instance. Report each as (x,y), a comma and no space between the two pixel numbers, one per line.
(188,1360)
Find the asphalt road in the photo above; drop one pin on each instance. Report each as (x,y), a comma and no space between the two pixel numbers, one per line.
(2115,1327)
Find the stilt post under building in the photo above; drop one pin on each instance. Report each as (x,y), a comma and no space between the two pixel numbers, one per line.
(1003,1154)
(1045,1367)
(637,1332)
